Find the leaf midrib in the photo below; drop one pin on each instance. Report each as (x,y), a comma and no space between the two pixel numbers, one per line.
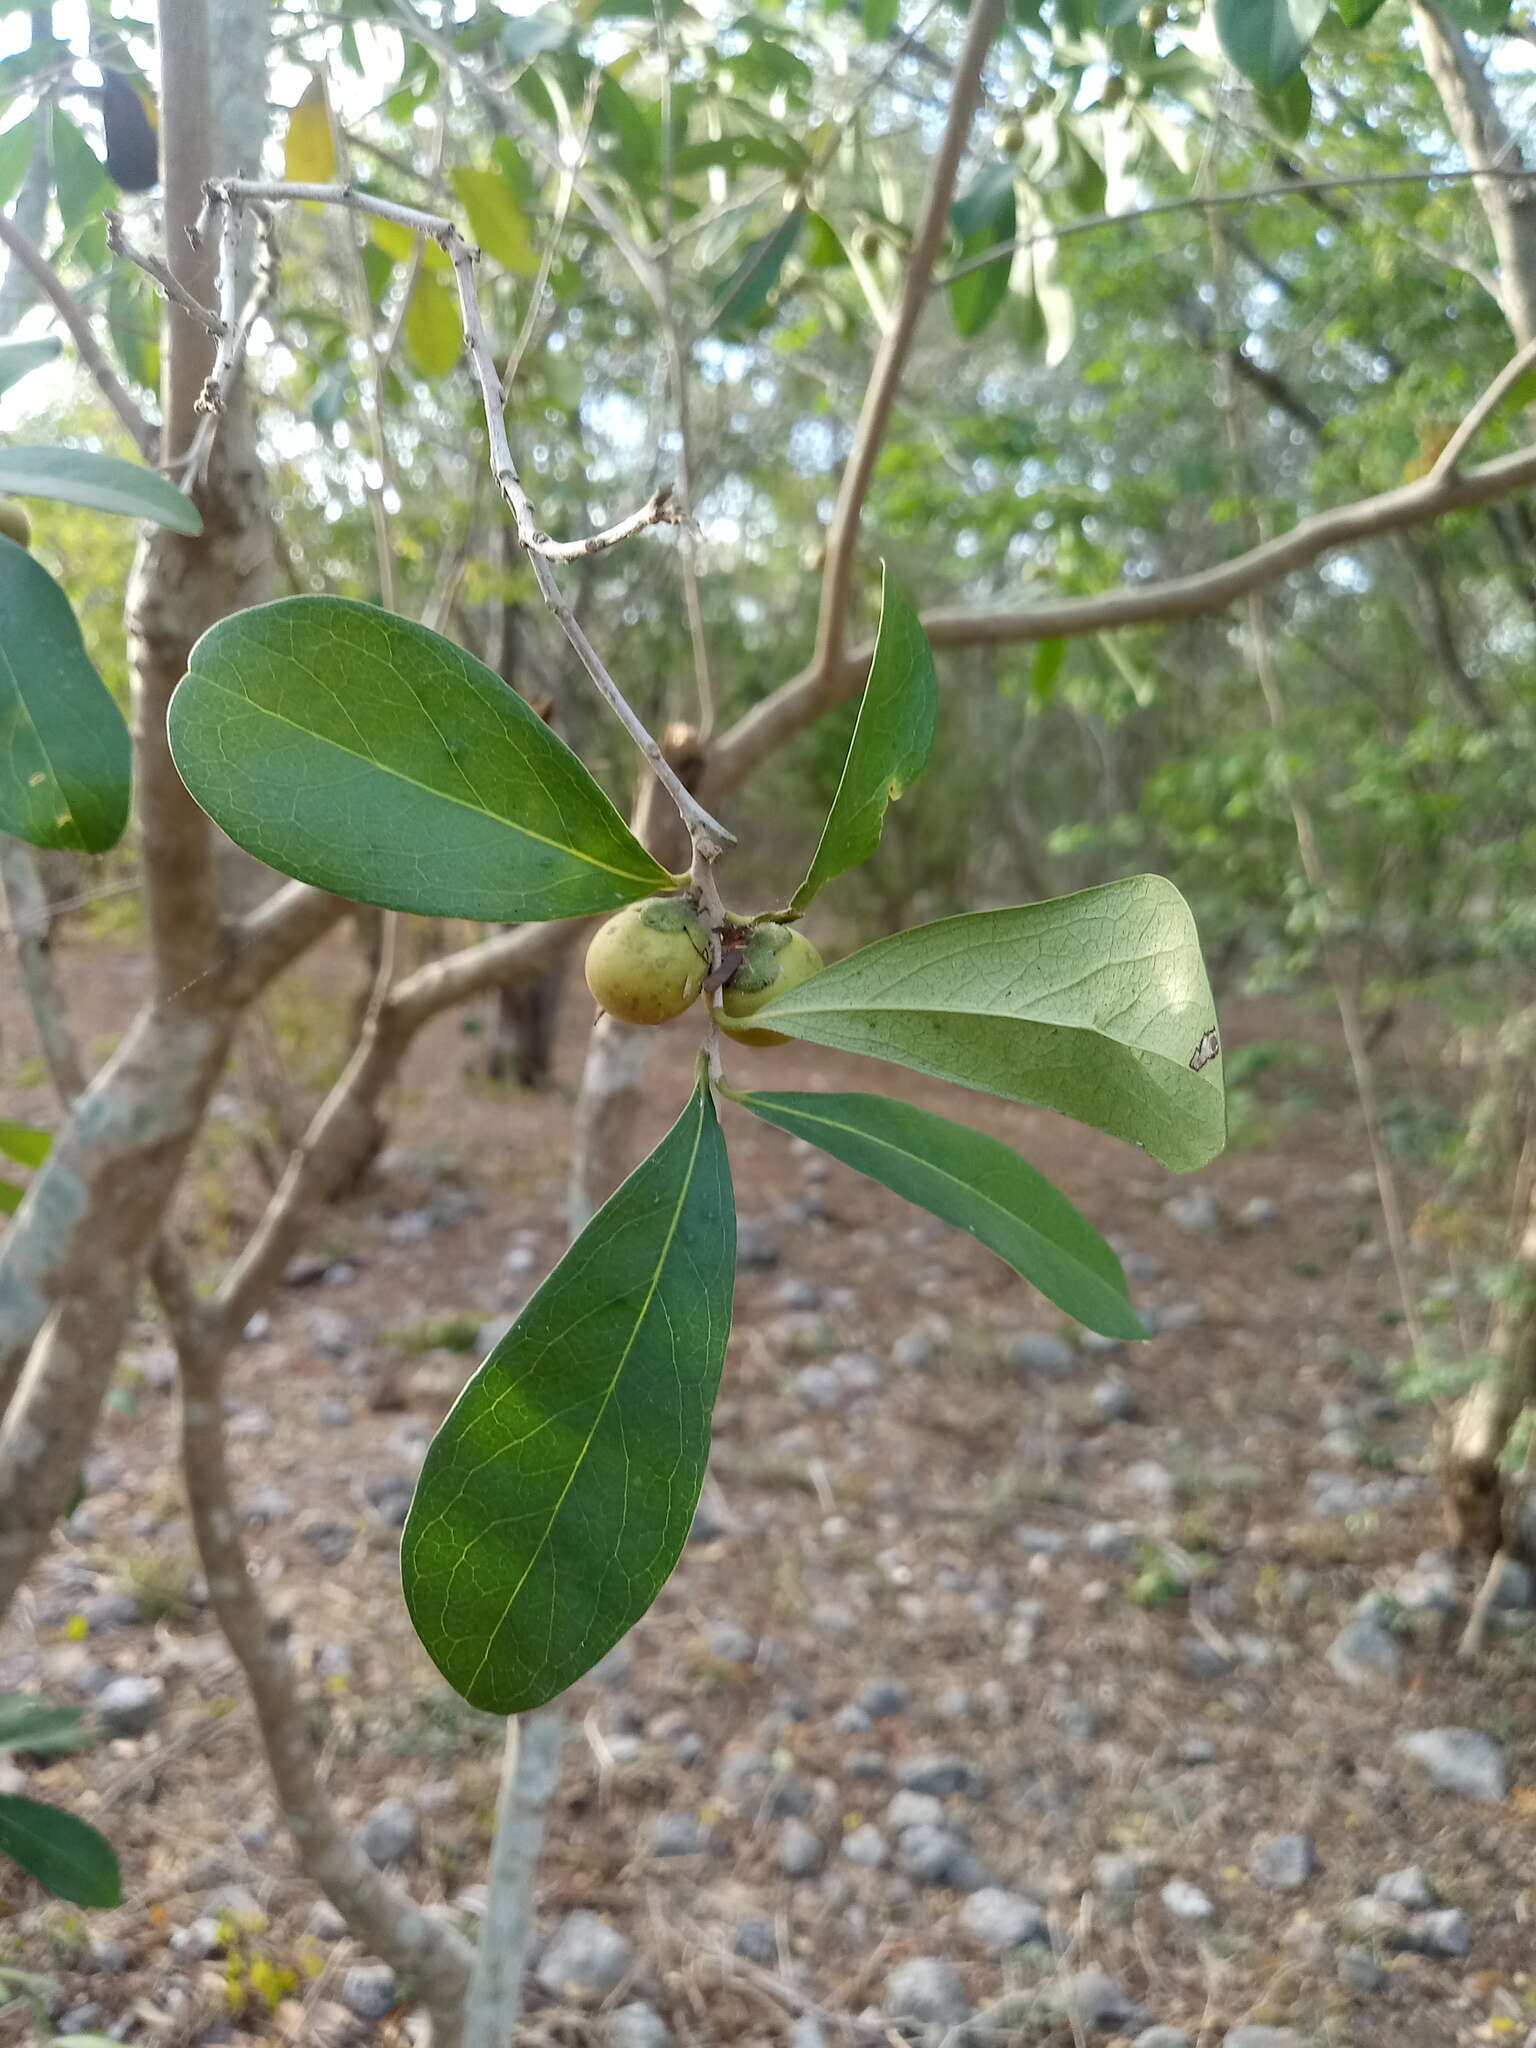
(789,1015)
(411,781)
(579,1461)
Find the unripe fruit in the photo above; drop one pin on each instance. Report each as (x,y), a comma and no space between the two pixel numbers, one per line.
(1114,91)
(647,964)
(778,960)
(813,558)
(14,523)
(1009,137)
(868,243)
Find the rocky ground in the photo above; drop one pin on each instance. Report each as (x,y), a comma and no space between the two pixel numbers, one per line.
(1015,1686)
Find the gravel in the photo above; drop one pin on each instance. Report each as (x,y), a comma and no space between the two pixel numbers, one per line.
(1040,1351)
(637,2025)
(368,1990)
(1186,1901)
(130,1707)
(1459,1760)
(926,1988)
(1282,1863)
(390,1833)
(1002,1919)
(801,1853)
(585,1958)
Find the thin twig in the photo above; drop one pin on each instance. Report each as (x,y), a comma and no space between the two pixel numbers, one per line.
(162,274)
(1457,446)
(70,311)
(227,196)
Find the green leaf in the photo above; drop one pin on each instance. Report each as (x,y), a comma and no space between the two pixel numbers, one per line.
(745,292)
(67,1857)
(497,223)
(1117,13)
(556,1498)
(983,217)
(66,763)
(1481,17)
(890,745)
(16,146)
(432,331)
(1095,1004)
(532,35)
(369,756)
(10,1197)
(19,359)
(1045,672)
(1267,39)
(880,18)
(974,1183)
(79,476)
(1356,13)
(38,1728)
(28,1147)
(80,180)
(1289,111)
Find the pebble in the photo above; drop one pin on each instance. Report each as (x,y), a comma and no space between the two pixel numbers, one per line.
(757,1245)
(1282,1863)
(585,1958)
(1095,1997)
(389,1833)
(637,2025)
(1040,1351)
(881,1698)
(1114,1401)
(1250,2036)
(732,1644)
(1365,1652)
(368,1990)
(1459,1760)
(1186,1901)
(1408,1887)
(866,1846)
(130,1707)
(1162,2037)
(756,1941)
(944,1776)
(1197,1211)
(929,1854)
(801,1853)
(1118,1873)
(819,1386)
(678,1834)
(1175,1316)
(1154,1482)
(269,1504)
(1358,1970)
(926,1988)
(1002,1919)
(330,1540)
(325,1923)
(808,2032)
(1259,1213)
(1516,1586)
(914,1810)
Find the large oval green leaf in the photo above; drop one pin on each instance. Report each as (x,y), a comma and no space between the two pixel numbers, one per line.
(371,757)
(973,1182)
(1095,1004)
(556,1498)
(65,1855)
(66,762)
(1267,39)
(79,476)
(890,746)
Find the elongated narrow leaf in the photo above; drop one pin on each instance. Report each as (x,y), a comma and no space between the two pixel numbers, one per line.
(745,292)
(38,1728)
(65,1855)
(973,1182)
(983,218)
(66,764)
(556,1498)
(890,746)
(1096,1005)
(432,331)
(10,1197)
(367,755)
(309,145)
(497,222)
(79,476)
(19,359)
(1267,39)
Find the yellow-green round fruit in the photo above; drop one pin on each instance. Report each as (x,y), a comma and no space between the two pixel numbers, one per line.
(647,964)
(1009,137)
(14,523)
(778,959)
(868,243)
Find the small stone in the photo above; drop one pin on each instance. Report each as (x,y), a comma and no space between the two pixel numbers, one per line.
(1114,1401)
(1358,1970)
(731,1644)
(1095,1997)
(866,1846)
(389,1833)
(1365,1653)
(637,2025)
(1186,1901)
(329,1331)
(330,1540)
(859,1373)
(368,1990)
(389,1496)
(1259,1213)
(1262,2037)
(1040,1351)
(1117,1873)
(269,1504)
(914,1810)
(1446,1933)
(757,1244)
(1197,1211)
(678,1834)
(325,1923)
(1282,1863)
(1154,1482)
(1162,2037)
(819,1386)
(924,1988)
(1002,1919)
(929,1854)
(107,1958)
(1459,1760)
(584,1959)
(882,1697)
(801,1853)
(130,1707)
(1111,1539)
(756,1941)
(943,1776)
(1173,1317)
(87,2018)
(1408,1887)
(807,2032)
(1516,1587)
